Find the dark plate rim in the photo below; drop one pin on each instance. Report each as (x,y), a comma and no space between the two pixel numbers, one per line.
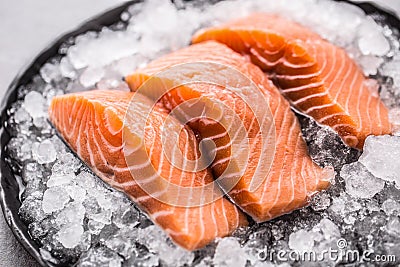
(9,190)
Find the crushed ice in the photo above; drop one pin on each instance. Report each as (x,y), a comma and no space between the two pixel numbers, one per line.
(75,217)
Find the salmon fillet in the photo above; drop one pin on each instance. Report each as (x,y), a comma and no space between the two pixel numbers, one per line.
(93,124)
(318,78)
(291,178)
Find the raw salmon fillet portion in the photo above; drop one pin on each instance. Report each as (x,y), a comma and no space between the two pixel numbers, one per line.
(318,78)
(93,124)
(292,176)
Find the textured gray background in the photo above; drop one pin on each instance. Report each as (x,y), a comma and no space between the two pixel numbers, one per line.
(26,27)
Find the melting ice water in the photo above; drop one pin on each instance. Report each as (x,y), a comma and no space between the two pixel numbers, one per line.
(76,218)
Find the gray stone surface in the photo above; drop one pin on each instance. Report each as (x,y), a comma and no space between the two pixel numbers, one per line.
(26,27)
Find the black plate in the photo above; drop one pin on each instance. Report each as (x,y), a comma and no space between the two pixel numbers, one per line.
(9,190)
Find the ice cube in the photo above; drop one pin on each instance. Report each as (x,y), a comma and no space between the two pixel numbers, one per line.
(156,241)
(32,171)
(66,162)
(66,68)
(44,152)
(229,253)
(70,235)
(100,256)
(382,157)
(372,41)
(393,226)
(102,198)
(121,244)
(360,183)
(205,262)
(91,76)
(31,209)
(46,255)
(60,179)
(344,205)
(95,227)
(104,216)
(34,186)
(391,69)
(125,215)
(50,72)
(54,199)
(302,240)
(86,241)
(370,64)
(61,149)
(21,115)
(86,179)
(328,228)
(320,201)
(107,84)
(42,124)
(127,65)
(391,207)
(34,104)
(77,193)
(73,213)
(95,52)
(51,92)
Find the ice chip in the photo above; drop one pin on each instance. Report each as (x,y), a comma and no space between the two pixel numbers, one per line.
(86,179)
(91,76)
(391,69)
(70,235)
(95,52)
(302,240)
(44,152)
(229,253)
(21,115)
(73,213)
(54,199)
(46,255)
(100,256)
(31,209)
(77,193)
(391,207)
(382,157)
(57,180)
(66,68)
(95,227)
(34,104)
(328,228)
(51,92)
(393,226)
(50,72)
(66,162)
(121,244)
(125,215)
(372,40)
(157,241)
(360,183)
(344,205)
(126,65)
(320,201)
(370,64)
